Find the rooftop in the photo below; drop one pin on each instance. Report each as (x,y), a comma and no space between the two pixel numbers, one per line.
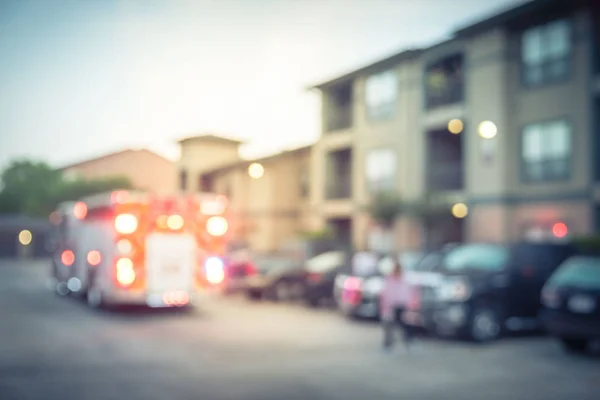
(211,138)
(110,155)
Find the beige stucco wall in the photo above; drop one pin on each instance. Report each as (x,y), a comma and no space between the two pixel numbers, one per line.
(493,91)
(145,170)
(269,210)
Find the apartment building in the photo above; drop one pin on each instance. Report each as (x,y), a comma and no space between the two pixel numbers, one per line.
(269,196)
(497,123)
(144,168)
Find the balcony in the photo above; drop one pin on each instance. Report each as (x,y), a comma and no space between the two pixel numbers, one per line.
(337,102)
(444,82)
(445,177)
(339,190)
(338,119)
(338,175)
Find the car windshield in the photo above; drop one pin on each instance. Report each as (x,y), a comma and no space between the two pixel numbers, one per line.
(579,272)
(484,257)
(428,263)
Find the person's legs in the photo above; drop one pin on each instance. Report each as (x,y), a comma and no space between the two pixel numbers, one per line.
(407,333)
(388,334)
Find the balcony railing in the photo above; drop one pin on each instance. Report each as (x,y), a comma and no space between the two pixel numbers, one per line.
(445,177)
(341,189)
(443,89)
(339,119)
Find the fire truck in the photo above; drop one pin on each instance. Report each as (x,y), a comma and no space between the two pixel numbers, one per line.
(136,248)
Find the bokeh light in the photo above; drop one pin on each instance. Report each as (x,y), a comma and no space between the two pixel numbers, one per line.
(455,126)
(487,130)
(256,170)
(460,210)
(25,237)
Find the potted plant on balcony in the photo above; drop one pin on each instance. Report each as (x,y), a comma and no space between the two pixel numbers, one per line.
(386,207)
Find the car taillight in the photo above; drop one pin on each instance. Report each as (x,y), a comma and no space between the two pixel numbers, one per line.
(314,277)
(125,273)
(250,269)
(67,258)
(217,226)
(214,268)
(94,258)
(126,223)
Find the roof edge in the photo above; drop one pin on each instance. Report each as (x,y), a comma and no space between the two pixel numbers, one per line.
(112,154)
(209,137)
(404,55)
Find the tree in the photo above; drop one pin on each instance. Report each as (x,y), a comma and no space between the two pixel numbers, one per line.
(28,186)
(35,189)
(385,207)
(321,234)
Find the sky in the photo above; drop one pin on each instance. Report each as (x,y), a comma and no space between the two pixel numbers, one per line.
(82,78)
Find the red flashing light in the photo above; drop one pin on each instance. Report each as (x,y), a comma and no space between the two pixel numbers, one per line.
(560,230)
(67,258)
(80,210)
(94,258)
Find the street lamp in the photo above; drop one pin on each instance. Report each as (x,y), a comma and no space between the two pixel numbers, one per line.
(256,171)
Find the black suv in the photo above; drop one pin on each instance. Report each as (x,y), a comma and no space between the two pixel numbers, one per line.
(487,288)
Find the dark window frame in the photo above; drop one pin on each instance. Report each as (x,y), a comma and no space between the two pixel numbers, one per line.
(384,111)
(568,160)
(568,59)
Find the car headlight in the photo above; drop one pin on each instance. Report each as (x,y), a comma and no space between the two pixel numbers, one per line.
(373,285)
(454,291)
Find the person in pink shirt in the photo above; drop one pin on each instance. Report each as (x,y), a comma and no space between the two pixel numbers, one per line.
(395,296)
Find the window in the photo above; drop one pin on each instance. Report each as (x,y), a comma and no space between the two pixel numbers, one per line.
(545,52)
(578,272)
(478,256)
(183,179)
(304,183)
(546,151)
(381,94)
(381,170)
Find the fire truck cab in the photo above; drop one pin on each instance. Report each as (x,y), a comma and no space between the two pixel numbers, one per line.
(134,248)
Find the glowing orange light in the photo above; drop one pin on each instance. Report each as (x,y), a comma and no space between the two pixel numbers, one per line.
(126,223)
(67,258)
(80,210)
(125,271)
(94,258)
(560,230)
(175,222)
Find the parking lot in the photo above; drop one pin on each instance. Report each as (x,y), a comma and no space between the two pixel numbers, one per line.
(55,348)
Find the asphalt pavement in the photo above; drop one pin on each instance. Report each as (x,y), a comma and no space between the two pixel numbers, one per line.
(56,348)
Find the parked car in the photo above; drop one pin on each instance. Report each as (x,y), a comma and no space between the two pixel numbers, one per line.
(239,265)
(571,302)
(358,292)
(320,274)
(487,288)
(276,277)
